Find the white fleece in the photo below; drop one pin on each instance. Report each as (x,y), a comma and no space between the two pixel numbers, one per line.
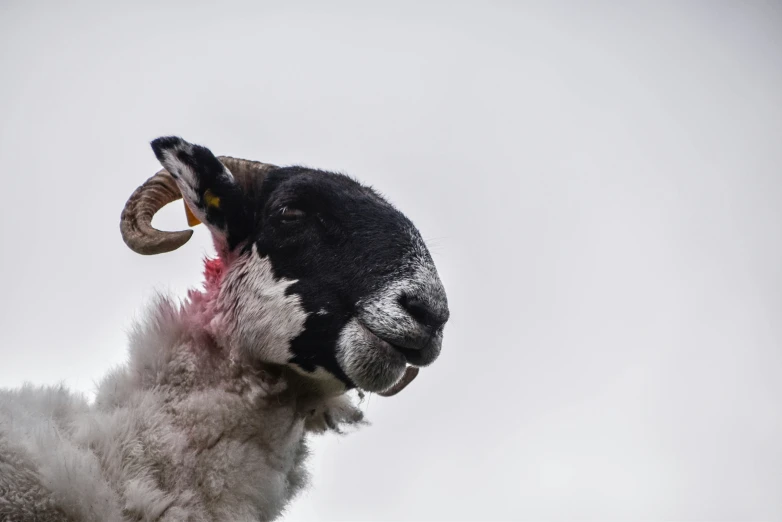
(185,430)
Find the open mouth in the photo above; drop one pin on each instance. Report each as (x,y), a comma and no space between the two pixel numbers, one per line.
(411,372)
(412,356)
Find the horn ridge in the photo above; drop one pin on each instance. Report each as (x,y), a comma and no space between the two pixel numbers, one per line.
(136,220)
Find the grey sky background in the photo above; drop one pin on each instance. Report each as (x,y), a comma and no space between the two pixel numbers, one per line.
(600,184)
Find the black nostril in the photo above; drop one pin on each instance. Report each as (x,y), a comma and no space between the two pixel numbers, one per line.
(419,311)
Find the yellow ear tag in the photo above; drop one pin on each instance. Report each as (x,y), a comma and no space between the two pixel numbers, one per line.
(191,219)
(211,200)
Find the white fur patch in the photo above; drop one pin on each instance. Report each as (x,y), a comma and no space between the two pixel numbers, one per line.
(333,414)
(265,319)
(372,364)
(323,380)
(185,177)
(319,373)
(37,422)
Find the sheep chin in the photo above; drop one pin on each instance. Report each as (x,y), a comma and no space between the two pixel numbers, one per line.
(371,363)
(411,372)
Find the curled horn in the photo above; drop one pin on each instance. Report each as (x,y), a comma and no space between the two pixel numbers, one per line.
(160,190)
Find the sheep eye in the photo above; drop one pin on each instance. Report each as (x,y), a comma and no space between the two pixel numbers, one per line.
(290,214)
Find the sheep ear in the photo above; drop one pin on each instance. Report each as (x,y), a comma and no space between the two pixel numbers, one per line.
(212,195)
(191,219)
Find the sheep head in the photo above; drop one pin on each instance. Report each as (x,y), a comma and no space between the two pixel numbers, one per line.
(321,273)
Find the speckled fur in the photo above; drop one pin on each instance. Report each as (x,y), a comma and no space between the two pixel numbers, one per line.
(186,430)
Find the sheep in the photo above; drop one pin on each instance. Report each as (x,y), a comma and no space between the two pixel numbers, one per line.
(320,289)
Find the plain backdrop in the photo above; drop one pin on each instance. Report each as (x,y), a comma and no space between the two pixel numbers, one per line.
(600,184)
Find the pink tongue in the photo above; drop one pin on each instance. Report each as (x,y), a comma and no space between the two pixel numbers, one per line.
(410,373)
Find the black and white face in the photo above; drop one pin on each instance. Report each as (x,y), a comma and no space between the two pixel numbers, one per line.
(322,273)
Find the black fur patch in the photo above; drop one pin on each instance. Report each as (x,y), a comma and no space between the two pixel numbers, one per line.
(348,245)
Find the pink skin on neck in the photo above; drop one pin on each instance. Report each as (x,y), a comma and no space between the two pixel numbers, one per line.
(201,310)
